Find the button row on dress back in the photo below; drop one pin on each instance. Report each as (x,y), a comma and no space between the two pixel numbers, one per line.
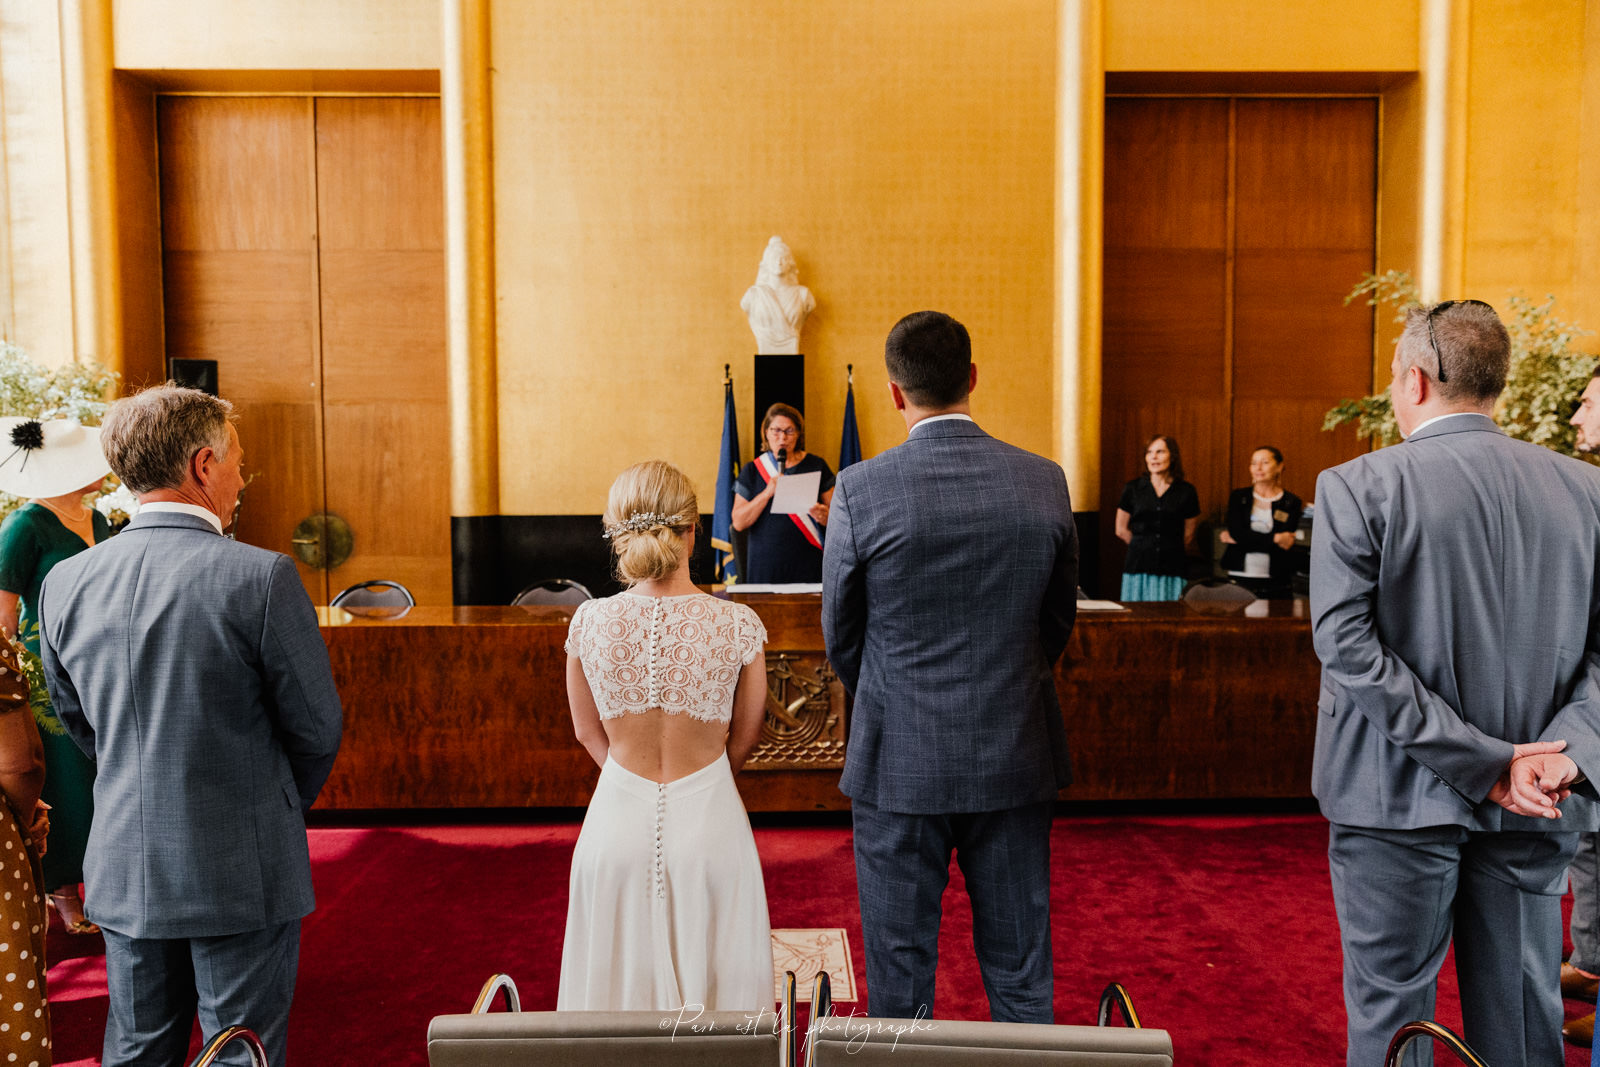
(661,813)
(655,643)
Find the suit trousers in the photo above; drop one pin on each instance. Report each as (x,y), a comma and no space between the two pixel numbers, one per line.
(902,868)
(157,985)
(1586,904)
(1402,894)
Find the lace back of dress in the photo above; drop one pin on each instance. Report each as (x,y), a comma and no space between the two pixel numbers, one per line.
(679,655)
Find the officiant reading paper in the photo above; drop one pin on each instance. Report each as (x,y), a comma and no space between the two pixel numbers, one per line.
(949,589)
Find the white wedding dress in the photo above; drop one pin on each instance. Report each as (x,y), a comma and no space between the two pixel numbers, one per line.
(667,906)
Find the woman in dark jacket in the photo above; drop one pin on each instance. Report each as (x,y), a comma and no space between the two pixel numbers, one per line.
(1156,518)
(1262,517)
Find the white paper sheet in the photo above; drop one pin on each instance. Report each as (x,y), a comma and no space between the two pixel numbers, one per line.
(796,493)
(792,587)
(1101,605)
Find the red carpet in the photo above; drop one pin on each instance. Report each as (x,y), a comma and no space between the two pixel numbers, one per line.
(1221,927)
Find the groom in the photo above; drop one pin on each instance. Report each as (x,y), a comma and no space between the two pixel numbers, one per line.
(949,588)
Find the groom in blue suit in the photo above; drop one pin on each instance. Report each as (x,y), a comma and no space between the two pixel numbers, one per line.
(191,669)
(949,588)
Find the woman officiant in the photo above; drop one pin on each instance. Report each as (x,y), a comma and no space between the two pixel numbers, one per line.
(782,548)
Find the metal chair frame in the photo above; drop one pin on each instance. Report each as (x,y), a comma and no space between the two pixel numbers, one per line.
(213,1049)
(338,601)
(1424,1028)
(548,583)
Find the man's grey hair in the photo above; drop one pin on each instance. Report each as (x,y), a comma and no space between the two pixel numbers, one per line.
(150,437)
(1471,342)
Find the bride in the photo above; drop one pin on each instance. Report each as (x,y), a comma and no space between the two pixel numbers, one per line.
(667,687)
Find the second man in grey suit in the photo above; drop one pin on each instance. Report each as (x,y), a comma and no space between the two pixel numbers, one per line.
(1455,603)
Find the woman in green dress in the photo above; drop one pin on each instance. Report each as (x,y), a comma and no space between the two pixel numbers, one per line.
(55,465)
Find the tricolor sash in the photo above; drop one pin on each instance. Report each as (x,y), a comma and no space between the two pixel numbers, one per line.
(767,465)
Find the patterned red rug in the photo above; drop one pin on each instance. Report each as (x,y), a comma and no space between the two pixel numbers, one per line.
(1222,928)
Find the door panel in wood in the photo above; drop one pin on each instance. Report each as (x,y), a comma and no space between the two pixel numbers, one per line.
(1177,358)
(239,287)
(381,212)
(1306,211)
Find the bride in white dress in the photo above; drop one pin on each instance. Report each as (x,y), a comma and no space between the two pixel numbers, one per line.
(668,689)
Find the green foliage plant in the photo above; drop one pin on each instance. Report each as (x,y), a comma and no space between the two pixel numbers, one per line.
(1542,386)
(77,391)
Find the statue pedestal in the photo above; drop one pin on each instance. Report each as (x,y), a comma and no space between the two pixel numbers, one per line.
(778,380)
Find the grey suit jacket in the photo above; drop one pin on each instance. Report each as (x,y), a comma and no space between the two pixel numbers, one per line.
(190,668)
(950,576)
(1455,604)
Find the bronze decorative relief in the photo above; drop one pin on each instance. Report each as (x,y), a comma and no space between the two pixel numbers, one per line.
(805,724)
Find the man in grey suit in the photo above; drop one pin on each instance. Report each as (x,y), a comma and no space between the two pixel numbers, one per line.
(191,669)
(1455,607)
(949,588)
(1580,976)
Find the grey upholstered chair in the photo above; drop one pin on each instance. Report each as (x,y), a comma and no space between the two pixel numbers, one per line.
(854,1041)
(553,591)
(379,598)
(609,1038)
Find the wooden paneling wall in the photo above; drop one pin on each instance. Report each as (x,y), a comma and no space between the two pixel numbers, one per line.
(380,202)
(1233,228)
(239,283)
(303,249)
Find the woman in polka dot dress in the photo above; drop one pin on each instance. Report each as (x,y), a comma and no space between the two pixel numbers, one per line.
(24,1011)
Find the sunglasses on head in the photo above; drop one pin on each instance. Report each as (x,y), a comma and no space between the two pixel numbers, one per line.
(1445,305)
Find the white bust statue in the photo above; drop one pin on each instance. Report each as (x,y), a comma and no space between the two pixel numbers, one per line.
(777,303)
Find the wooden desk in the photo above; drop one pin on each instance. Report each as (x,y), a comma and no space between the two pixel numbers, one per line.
(466,707)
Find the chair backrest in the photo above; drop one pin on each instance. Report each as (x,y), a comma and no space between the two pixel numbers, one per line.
(553,591)
(233,1035)
(1215,596)
(379,597)
(605,1039)
(516,1038)
(855,1041)
(1428,1030)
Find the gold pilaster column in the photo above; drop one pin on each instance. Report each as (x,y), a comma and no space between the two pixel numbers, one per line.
(469,259)
(1080,173)
(86,59)
(1441,236)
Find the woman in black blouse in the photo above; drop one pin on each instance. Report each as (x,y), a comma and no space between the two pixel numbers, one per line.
(1157,517)
(1262,517)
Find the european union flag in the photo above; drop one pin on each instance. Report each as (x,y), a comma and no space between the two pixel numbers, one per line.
(727,568)
(850,439)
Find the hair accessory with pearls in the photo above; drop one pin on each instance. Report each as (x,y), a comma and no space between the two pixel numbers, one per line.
(640,521)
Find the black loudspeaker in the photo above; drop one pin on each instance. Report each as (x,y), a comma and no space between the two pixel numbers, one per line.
(778,380)
(198,374)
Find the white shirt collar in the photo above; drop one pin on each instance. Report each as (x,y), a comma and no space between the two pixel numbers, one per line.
(176,508)
(938,418)
(1440,418)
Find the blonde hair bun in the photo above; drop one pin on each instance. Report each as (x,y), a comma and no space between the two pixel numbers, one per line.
(653,490)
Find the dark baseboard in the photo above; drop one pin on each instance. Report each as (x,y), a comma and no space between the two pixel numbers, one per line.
(495,557)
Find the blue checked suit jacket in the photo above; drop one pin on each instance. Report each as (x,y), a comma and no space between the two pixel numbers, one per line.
(1455,605)
(190,668)
(950,576)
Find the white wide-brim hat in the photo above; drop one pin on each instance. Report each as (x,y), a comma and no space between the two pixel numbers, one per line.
(49,458)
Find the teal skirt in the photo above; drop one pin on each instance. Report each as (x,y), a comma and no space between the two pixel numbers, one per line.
(1152,587)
